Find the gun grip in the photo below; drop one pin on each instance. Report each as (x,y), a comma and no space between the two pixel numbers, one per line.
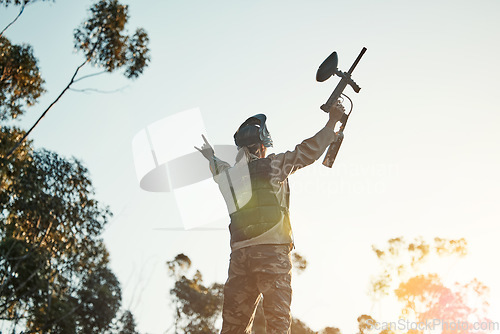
(331,154)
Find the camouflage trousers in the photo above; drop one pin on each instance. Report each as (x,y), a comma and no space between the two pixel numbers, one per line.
(255,271)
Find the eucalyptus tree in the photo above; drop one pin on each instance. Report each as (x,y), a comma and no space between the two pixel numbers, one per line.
(54,267)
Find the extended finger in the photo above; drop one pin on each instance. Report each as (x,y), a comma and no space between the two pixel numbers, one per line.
(198,149)
(205,139)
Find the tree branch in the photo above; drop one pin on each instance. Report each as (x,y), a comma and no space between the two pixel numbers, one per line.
(85,90)
(11,23)
(48,108)
(89,75)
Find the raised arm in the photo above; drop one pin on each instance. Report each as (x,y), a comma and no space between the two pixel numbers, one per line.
(216,165)
(309,150)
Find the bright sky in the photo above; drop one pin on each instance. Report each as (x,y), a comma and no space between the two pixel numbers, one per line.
(420,157)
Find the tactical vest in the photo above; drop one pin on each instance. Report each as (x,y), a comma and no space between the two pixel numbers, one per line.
(263,210)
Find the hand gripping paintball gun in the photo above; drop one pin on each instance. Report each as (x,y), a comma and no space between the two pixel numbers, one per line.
(327,69)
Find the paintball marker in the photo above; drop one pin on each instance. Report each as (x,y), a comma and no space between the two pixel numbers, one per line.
(327,69)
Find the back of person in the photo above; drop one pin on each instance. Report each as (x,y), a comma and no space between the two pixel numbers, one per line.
(262,209)
(256,192)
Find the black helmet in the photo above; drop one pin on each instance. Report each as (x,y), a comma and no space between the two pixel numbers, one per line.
(253,131)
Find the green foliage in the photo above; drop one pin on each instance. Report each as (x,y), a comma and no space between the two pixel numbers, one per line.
(137,54)
(21,83)
(14,2)
(450,247)
(70,217)
(179,265)
(299,263)
(6,3)
(400,258)
(425,297)
(330,330)
(364,321)
(102,39)
(85,306)
(104,43)
(127,324)
(101,296)
(12,169)
(197,306)
(54,268)
(54,273)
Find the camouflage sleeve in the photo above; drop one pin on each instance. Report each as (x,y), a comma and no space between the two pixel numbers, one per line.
(304,154)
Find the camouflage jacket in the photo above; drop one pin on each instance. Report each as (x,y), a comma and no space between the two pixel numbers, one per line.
(283,165)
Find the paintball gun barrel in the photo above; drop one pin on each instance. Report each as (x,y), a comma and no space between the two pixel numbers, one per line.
(327,69)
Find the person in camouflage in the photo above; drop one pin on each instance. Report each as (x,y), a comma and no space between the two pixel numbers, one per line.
(256,192)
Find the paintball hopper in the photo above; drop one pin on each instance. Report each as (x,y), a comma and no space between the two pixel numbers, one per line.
(328,67)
